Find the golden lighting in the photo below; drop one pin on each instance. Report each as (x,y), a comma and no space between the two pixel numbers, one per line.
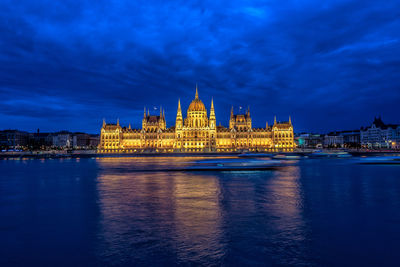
(198,132)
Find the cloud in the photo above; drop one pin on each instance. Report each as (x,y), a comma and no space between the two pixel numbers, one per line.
(85,60)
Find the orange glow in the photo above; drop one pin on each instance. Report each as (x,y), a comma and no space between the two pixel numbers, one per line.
(196,133)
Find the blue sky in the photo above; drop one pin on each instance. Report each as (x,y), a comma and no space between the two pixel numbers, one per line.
(331,65)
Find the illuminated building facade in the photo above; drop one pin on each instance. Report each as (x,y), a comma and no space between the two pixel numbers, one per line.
(198,132)
(380,135)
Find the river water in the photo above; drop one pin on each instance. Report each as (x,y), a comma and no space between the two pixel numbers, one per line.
(104,212)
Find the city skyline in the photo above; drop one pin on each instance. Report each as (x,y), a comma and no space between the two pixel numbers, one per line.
(68,66)
(135,121)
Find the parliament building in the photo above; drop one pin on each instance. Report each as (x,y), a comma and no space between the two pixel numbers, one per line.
(198,132)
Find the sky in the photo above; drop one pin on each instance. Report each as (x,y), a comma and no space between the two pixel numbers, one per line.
(330,65)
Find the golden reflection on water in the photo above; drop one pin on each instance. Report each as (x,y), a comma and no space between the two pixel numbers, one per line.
(287,191)
(289,227)
(189,213)
(197,216)
(185,207)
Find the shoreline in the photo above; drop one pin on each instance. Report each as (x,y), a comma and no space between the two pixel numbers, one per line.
(94,154)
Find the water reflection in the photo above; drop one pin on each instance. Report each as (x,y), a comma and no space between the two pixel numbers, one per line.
(290,235)
(176,215)
(197,218)
(200,218)
(286,202)
(264,217)
(319,212)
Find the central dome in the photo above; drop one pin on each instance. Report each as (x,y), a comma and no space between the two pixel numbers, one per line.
(197,104)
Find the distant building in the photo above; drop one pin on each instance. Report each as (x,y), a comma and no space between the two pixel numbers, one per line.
(85,141)
(333,140)
(380,135)
(308,140)
(63,139)
(80,140)
(94,140)
(348,139)
(351,139)
(13,139)
(40,140)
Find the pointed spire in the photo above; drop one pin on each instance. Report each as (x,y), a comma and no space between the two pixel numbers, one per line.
(179,112)
(212,113)
(290,120)
(231,111)
(248,111)
(118,122)
(179,107)
(197,93)
(266,125)
(274,119)
(179,119)
(148,112)
(160,111)
(129,125)
(104,122)
(163,113)
(144,113)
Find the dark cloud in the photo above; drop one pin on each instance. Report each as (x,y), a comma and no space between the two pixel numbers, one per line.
(68,64)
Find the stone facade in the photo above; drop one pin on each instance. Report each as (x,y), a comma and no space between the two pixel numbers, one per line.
(380,135)
(198,132)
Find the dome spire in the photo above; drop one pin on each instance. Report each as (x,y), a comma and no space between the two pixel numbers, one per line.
(197,93)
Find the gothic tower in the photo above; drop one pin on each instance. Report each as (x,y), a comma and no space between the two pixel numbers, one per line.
(179,119)
(144,120)
(213,121)
(248,118)
(161,122)
(232,120)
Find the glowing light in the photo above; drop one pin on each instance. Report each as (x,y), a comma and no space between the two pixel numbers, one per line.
(196,133)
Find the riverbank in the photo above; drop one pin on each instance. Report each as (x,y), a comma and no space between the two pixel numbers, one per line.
(93,153)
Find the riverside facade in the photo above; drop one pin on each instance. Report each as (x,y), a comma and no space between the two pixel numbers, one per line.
(198,132)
